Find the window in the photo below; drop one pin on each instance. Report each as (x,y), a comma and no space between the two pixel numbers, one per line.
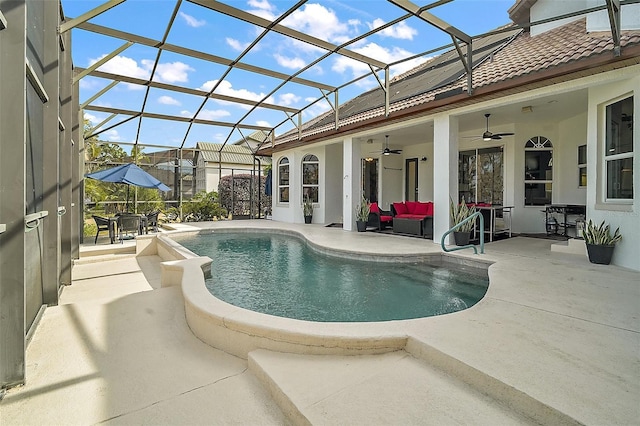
(538,171)
(283,180)
(618,153)
(310,177)
(582,165)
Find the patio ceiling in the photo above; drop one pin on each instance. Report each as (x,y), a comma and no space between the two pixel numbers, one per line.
(404,10)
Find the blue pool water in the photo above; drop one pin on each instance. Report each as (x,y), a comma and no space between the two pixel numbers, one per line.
(279,275)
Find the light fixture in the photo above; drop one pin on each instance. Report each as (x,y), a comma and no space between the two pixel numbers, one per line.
(423,159)
(368,159)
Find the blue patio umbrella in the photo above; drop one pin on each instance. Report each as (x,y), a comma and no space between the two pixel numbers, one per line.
(129,174)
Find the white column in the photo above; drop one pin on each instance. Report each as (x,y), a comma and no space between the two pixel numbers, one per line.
(445,172)
(351,185)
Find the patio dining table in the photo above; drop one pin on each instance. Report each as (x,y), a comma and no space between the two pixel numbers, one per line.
(114,226)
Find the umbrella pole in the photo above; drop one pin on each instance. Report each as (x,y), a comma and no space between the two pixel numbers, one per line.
(127,205)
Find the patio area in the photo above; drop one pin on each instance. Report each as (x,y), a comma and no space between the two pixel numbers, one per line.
(554,341)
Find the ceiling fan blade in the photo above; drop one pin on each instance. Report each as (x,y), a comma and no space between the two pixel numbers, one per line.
(395,151)
(504,134)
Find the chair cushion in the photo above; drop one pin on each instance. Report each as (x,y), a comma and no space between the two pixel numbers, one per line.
(384,218)
(423,208)
(373,208)
(400,208)
(411,206)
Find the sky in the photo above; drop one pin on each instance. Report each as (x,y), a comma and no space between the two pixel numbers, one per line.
(204,30)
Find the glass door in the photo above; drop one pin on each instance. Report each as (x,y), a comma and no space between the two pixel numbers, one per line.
(481,176)
(370,179)
(411,179)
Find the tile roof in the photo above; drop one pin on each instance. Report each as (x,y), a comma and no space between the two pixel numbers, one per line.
(231,154)
(517,60)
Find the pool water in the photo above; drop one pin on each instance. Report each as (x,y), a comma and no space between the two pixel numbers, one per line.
(279,275)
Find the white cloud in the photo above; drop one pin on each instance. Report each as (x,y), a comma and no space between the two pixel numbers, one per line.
(388,55)
(207,114)
(287,99)
(262,8)
(400,30)
(92,118)
(168,100)
(169,72)
(291,63)
(263,123)
(111,135)
(122,65)
(191,21)
(236,44)
(225,88)
(318,21)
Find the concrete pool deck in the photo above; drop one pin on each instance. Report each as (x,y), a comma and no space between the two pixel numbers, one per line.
(555,340)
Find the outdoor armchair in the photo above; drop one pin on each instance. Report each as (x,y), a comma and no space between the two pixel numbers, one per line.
(102,223)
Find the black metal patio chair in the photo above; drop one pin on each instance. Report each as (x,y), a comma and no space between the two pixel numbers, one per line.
(102,223)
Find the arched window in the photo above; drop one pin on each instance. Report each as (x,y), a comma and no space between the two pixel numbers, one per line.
(283,180)
(538,171)
(310,168)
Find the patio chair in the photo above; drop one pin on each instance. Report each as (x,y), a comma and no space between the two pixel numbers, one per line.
(128,224)
(102,223)
(379,218)
(152,221)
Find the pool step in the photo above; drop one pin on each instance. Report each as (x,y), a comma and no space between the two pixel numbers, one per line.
(392,388)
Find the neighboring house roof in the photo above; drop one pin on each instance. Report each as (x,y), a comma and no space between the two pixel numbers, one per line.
(513,62)
(254,138)
(227,154)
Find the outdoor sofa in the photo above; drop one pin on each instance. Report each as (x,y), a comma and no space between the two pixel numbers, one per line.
(413,217)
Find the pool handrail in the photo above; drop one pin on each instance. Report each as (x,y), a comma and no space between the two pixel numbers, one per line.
(454,227)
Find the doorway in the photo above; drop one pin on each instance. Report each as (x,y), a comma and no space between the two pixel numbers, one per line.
(411,179)
(370,179)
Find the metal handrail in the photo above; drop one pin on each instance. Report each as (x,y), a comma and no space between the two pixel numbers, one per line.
(454,227)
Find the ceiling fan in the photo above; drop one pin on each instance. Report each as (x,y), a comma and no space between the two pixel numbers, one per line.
(386,150)
(487,136)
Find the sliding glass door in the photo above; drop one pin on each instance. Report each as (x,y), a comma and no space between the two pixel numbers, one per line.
(481,176)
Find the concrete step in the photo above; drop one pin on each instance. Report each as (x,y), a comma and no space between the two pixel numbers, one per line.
(392,388)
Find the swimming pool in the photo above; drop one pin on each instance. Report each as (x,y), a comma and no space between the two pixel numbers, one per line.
(280,275)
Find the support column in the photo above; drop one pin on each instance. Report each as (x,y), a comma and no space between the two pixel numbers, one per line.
(51,251)
(352,182)
(445,172)
(12,193)
(67,162)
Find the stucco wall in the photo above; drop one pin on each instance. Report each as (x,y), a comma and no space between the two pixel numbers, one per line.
(618,214)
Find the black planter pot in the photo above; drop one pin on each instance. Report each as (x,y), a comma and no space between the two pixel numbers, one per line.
(308,219)
(362,226)
(600,254)
(461,238)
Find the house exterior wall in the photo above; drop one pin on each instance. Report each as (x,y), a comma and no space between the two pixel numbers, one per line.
(596,21)
(620,214)
(208,174)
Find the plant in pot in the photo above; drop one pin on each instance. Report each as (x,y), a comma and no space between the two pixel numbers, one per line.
(600,243)
(362,214)
(460,212)
(307,208)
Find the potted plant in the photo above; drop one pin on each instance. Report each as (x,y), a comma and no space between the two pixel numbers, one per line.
(307,208)
(600,243)
(460,212)
(362,214)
